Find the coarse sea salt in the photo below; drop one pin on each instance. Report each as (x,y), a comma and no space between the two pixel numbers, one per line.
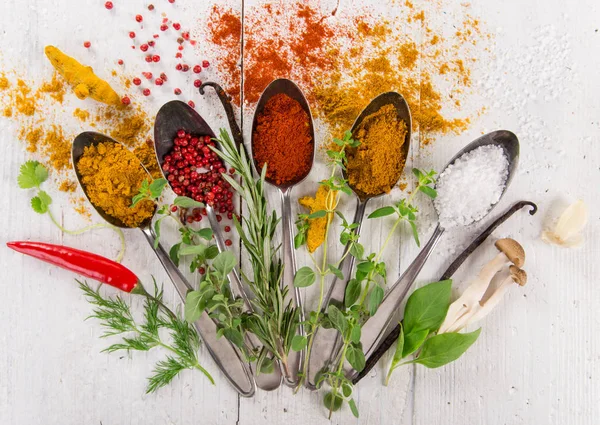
(469,187)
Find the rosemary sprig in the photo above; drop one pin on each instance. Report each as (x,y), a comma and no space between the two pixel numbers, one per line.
(274,320)
(116,317)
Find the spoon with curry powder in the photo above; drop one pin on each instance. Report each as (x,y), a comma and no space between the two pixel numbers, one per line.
(283,140)
(171,118)
(224,353)
(388,113)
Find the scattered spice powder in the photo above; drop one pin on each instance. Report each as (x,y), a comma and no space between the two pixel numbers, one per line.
(68,186)
(82,114)
(375,166)
(147,156)
(4,84)
(111,176)
(282,140)
(55,88)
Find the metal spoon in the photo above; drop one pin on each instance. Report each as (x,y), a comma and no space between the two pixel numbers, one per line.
(327,342)
(172,117)
(225,354)
(378,326)
(290,89)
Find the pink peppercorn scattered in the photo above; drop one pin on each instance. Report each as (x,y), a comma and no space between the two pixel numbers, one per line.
(150,7)
(137,81)
(151,43)
(177,26)
(228,242)
(159,82)
(185,35)
(191,103)
(120,62)
(155,58)
(178,55)
(171,1)
(146,92)
(227,229)
(144,47)
(148,75)
(177,91)
(163,76)
(87,44)
(125,100)
(197,83)
(148,58)
(201,270)
(131,34)
(185,68)
(139,18)
(179,67)
(197,69)
(164,27)
(205,64)
(156,36)
(109,5)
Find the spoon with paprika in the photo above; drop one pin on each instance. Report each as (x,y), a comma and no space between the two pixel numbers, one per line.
(223,352)
(283,140)
(327,342)
(176,116)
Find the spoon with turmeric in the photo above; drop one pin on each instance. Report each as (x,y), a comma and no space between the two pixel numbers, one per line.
(372,170)
(93,153)
(283,141)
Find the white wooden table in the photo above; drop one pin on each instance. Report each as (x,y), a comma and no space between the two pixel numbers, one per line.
(538,358)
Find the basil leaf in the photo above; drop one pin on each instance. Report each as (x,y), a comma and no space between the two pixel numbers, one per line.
(304,277)
(355,357)
(445,348)
(353,290)
(426,308)
(382,212)
(399,348)
(413,341)
(375,299)
(224,263)
(337,318)
(299,343)
(185,202)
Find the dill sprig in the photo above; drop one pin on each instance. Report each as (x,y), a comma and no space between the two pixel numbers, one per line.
(115,316)
(275,319)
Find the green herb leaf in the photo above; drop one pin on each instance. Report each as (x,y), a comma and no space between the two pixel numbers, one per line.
(413,341)
(355,334)
(194,306)
(211,252)
(426,308)
(185,202)
(317,214)
(337,272)
(156,187)
(333,403)
(205,233)
(337,318)
(174,253)
(157,232)
(375,299)
(415,232)
(353,407)
(365,267)
(346,389)
(355,357)
(304,277)
(382,212)
(224,263)
(299,342)
(299,240)
(353,290)
(442,349)
(418,174)
(32,174)
(234,336)
(41,202)
(428,191)
(357,251)
(192,250)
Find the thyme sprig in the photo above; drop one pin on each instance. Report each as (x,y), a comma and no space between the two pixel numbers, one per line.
(116,317)
(275,319)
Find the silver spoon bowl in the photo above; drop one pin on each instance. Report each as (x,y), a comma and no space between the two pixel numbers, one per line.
(172,117)
(327,342)
(223,352)
(378,326)
(287,87)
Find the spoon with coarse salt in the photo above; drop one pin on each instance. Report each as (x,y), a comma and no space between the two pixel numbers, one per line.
(468,188)
(327,342)
(223,352)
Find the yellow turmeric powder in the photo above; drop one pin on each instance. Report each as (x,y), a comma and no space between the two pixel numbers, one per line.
(376,164)
(111,176)
(82,78)
(4,84)
(317,226)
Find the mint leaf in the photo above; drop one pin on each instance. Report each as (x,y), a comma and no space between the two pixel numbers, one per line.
(337,318)
(299,342)
(355,357)
(353,290)
(375,299)
(194,306)
(337,272)
(174,253)
(224,263)
(156,187)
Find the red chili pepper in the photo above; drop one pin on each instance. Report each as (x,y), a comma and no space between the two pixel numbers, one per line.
(85,263)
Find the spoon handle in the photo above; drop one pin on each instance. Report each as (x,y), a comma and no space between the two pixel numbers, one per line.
(225,355)
(265,381)
(326,342)
(295,359)
(377,327)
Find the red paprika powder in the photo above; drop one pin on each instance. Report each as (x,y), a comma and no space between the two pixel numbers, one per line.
(282,140)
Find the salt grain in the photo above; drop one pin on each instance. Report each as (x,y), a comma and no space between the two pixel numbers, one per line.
(470,186)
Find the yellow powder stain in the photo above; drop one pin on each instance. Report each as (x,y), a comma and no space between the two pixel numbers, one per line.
(33,136)
(82,114)
(68,186)
(25,102)
(55,88)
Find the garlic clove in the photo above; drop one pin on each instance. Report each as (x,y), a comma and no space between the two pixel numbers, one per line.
(571,223)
